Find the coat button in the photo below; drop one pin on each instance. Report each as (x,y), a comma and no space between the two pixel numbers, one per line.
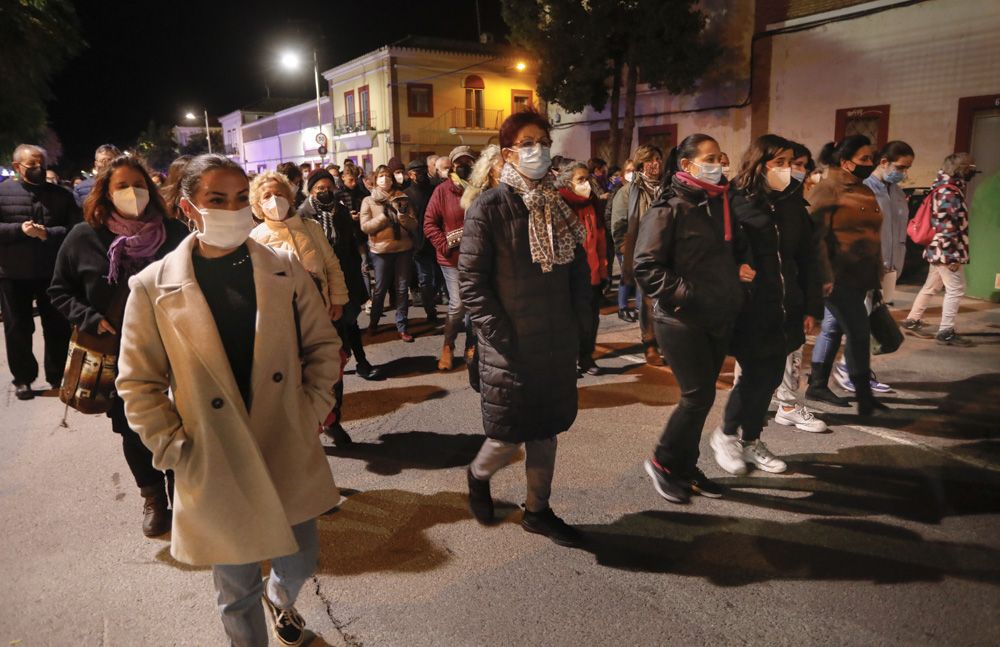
(278,377)
(217,403)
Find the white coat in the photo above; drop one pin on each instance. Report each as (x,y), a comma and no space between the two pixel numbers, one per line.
(243,479)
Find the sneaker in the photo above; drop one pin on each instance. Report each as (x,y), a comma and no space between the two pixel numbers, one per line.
(548,524)
(287,625)
(799,417)
(915,326)
(701,484)
(761,457)
(949,337)
(844,380)
(728,452)
(879,387)
(670,487)
(368,372)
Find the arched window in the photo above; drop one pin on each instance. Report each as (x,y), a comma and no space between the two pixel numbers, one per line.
(475,110)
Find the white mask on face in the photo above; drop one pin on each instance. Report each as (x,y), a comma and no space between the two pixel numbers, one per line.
(130,201)
(710,173)
(798,176)
(384,182)
(629,176)
(582,189)
(779,178)
(275,207)
(399,177)
(225,228)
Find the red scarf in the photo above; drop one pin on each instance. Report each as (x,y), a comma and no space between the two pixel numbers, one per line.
(713,191)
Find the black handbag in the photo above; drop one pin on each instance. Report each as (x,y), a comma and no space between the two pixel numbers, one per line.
(886,333)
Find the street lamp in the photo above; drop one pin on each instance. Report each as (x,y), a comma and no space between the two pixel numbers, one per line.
(521,66)
(290,61)
(190,116)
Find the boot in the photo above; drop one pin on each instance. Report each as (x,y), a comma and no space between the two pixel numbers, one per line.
(447,358)
(867,403)
(480,499)
(155,515)
(427,301)
(653,356)
(819,388)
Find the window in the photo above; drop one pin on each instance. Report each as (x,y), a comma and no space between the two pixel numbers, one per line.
(365,105)
(475,110)
(520,100)
(420,99)
(368,164)
(349,107)
(870,121)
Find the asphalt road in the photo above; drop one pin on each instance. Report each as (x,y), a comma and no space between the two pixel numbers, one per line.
(880,535)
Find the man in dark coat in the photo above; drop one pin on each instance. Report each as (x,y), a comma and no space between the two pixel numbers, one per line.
(102,157)
(35,216)
(419,191)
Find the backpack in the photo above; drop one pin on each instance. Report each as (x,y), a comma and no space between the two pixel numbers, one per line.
(920,229)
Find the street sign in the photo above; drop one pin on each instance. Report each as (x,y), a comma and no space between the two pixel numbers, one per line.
(321,139)
(322,150)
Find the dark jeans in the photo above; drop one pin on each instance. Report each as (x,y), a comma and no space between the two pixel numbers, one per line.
(625,290)
(646,326)
(137,455)
(751,395)
(16,296)
(350,334)
(588,339)
(696,357)
(426,266)
(392,270)
(847,305)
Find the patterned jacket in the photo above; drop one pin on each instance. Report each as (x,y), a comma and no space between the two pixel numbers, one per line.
(950,219)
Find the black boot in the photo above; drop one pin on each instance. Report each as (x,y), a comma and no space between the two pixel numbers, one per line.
(867,404)
(819,388)
(427,300)
(480,499)
(155,515)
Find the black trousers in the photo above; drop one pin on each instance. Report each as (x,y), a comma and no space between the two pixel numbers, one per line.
(751,395)
(588,338)
(848,307)
(695,356)
(16,297)
(137,455)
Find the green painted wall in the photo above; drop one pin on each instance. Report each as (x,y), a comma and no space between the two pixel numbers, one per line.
(984,240)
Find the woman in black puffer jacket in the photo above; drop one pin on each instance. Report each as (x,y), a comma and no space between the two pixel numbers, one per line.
(528,295)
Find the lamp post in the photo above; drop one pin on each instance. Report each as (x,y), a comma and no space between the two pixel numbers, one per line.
(208,134)
(290,61)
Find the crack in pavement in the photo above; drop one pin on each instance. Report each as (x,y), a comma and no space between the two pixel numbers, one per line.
(349,639)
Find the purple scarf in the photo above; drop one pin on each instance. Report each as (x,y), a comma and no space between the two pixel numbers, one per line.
(135,246)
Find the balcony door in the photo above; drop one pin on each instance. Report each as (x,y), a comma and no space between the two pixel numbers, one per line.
(475,109)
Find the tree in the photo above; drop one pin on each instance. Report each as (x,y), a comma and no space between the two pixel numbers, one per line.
(37,37)
(589,49)
(156,145)
(196,143)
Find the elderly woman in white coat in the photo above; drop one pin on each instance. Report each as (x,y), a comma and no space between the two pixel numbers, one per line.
(227,366)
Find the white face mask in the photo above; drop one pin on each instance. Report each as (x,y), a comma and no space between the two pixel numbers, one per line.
(582,189)
(384,182)
(224,228)
(798,176)
(399,177)
(779,178)
(629,176)
(275,207)
(534,161)
(710,173)
(130,201)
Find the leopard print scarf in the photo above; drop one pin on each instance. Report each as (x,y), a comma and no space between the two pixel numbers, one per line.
(554,231)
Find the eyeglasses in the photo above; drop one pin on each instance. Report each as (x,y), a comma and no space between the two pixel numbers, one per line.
(528,143)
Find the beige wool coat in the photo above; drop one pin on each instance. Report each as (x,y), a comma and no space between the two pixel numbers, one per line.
(376,224)
(243,479)
(307,242)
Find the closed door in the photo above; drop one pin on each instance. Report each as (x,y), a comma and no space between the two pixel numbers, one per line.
(985,146)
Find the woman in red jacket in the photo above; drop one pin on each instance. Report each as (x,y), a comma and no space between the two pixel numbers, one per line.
(576,189)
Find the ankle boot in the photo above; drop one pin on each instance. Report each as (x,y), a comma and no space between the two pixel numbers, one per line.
(480,499)
(867,403)
(819,388)
(447,360)
(155,515)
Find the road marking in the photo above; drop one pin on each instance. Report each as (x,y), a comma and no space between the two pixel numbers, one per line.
(902,440)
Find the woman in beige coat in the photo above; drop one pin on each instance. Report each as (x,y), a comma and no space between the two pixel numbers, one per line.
(387,218)
(227,366)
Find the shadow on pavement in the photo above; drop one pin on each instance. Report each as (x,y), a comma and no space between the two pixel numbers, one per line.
(894,481)
(419,450)
(651,386)
(409,366)
(732,551)
(359,405)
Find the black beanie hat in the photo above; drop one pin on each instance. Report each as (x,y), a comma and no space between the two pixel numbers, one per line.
(316,176)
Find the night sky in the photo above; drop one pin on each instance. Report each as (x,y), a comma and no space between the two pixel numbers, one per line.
(157,60)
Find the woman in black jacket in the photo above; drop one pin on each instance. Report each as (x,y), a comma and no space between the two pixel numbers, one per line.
(686,260)
(126,229)
(773,216)
(527,289)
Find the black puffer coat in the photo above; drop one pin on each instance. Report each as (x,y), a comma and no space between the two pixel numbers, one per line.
(528,322)
(23,257)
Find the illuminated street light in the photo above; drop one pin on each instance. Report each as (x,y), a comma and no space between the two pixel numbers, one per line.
(290,61)
(190,116)
(520,67)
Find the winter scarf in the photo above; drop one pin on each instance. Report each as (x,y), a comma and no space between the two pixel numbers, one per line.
(649,191)
(713,191)
(135,246)
(554,231)
(325,218)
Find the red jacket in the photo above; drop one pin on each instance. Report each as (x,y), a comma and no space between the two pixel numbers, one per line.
(596,243)
(444,214)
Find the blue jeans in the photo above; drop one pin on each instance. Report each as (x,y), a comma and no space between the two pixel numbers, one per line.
(845,313)
(240,587)
(392,269)
(456,311)
(624,289)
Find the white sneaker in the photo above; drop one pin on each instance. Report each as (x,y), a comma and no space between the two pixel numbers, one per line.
(800,418)
(759,455)
(728,452)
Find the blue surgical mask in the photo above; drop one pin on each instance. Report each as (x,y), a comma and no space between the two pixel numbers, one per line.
(710,173)
(798,176)
(895,176)
(534,161)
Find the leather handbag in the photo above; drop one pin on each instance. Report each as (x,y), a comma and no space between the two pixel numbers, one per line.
(454,238)
(886,333)
(92,363)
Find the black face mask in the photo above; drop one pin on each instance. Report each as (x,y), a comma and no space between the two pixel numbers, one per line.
(422,178)
(325,198)
(463,171)
(862,171)
(34,175)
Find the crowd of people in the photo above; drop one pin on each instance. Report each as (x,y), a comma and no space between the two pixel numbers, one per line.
(235,304)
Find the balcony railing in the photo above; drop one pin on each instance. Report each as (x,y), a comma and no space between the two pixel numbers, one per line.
(354,123)
(473,119)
